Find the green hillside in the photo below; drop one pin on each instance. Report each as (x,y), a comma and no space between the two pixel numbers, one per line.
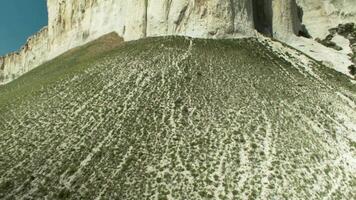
(177,118)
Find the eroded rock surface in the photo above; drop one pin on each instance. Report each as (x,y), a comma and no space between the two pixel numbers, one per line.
(76,22)
(321,15)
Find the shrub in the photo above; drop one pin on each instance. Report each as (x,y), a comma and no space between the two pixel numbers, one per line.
(352,70)
(63,194)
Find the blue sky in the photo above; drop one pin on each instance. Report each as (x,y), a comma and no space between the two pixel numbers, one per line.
(20,19)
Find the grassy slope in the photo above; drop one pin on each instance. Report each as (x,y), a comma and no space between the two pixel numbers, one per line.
(179,118)
(69,63)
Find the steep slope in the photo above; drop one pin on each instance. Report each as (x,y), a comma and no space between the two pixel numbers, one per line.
(179,118)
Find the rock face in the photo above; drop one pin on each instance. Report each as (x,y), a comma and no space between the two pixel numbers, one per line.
(32,54)
(323,20)
(72,23)
(321,15)
(75,22)
(285,18)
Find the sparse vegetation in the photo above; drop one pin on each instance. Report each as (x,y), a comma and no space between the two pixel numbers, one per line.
(352,69)
(127,123)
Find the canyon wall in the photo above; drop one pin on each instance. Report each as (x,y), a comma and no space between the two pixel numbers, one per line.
(75,22)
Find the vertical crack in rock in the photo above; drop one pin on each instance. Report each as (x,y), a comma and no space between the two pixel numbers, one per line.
(2,64)
(262,16)
(145,18)
(2,67)
(233,14)
(242,17)
(168,9)
(295,16)
(181,16)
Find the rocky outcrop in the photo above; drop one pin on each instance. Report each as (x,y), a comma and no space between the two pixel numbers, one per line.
(321,15)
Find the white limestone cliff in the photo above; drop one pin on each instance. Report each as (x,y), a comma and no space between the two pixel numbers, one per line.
(286,21)
(72,23)
(75,22)
(32,54)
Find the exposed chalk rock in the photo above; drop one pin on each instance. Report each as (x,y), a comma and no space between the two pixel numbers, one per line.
(75,22)
(286,21)
(321,15)
(72,23)
(32,54)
